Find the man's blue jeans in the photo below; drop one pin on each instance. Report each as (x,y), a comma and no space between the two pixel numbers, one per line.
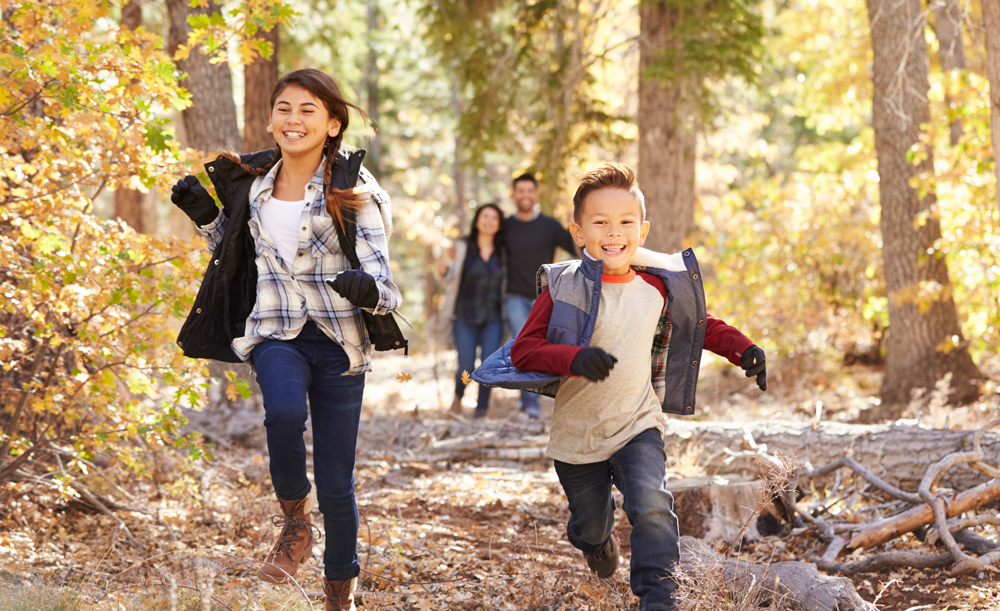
(486,337)
(288,371)
(637,470)
(518,308)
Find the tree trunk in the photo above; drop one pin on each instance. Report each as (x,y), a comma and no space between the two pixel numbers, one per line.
(991,19)
(430,282)
(900,455)
(261,76)
(210,122)
(948,29)
(925,341)
(461,207)
(666,138)
(129,208)
(373,160)
(128,202)
(210,126)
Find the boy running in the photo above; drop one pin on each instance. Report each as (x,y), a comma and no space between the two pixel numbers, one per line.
(616,338)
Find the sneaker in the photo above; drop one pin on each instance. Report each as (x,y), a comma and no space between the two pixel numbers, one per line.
(532,411)
(605,562)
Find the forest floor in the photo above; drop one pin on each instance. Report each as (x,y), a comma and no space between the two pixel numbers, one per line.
(433,534)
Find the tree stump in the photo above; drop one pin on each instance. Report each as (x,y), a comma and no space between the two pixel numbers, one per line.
(716,508)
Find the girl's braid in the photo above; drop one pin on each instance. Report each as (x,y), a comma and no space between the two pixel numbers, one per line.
(235,158)
(339,201)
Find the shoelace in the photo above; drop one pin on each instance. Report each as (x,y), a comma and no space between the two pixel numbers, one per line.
(290,526)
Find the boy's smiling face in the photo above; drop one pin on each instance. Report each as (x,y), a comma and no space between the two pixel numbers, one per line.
(610,226)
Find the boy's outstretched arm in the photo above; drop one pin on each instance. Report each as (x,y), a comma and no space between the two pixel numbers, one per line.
(532,352)
(726,340)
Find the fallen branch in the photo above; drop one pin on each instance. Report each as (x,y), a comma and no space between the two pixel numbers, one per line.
(931,508)
(514,453)
(923,515)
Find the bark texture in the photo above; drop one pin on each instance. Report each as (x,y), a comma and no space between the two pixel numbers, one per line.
(948,30)
(900,455)
(129,202)
(666,137)
(991,19)
(210,122)
(922,346)
(261,76)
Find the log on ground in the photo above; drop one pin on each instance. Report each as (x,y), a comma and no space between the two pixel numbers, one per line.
(799,581)
(901,453)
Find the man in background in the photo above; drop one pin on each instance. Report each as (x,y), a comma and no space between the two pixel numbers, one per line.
(532,238)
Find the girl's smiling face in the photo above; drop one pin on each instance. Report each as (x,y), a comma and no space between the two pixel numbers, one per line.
(300,122)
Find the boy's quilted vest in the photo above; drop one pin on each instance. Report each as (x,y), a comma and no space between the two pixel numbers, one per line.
(575,288)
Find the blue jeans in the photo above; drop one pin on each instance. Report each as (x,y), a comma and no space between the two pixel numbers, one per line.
(637,470)
(310,365)
(486,337)
(518,308)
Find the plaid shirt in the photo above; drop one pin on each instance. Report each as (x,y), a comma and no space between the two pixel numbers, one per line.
(291,292)
(661,347)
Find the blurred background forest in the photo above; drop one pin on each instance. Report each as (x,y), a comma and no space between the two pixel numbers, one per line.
(831,162)
(832,188)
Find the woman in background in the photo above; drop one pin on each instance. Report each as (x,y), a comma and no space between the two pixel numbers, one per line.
(473,305)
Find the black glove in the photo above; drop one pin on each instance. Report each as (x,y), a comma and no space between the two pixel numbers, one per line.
(755,365)
(357,287)
(194,200)
(593,364)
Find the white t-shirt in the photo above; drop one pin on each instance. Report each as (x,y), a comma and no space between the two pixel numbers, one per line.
(282,220)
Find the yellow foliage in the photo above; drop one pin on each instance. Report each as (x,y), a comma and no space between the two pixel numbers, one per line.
(85,336)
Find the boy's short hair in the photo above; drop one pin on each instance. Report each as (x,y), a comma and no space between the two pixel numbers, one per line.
(608,176)
(526,176)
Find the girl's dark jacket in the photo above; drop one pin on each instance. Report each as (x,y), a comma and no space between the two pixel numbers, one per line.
(229,289)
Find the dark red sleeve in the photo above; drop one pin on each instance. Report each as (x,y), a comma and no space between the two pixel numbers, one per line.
(726,340)
(532,352)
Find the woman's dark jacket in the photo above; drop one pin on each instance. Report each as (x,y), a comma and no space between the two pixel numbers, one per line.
(229,289)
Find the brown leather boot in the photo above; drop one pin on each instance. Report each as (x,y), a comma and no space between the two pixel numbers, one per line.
(339,595)
(294,543)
